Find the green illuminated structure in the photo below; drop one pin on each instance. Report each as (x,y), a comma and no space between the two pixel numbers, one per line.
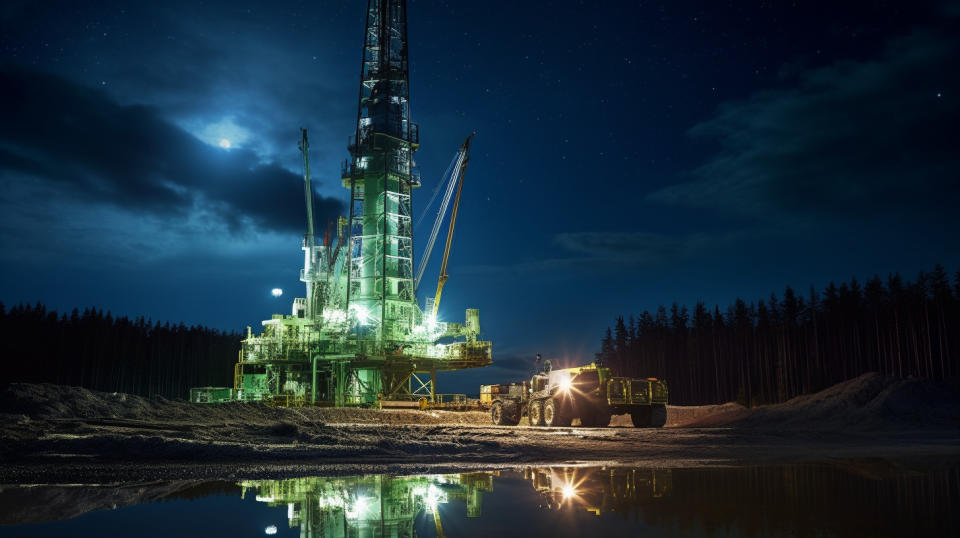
(358,336)
(369,505)
(380,506)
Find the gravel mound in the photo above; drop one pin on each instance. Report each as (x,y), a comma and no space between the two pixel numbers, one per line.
(868,402)
(50,431)
(680,416)
(51,402)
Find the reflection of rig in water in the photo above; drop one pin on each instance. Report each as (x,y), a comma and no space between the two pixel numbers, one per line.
(378,505)
(599,490)
(369,505)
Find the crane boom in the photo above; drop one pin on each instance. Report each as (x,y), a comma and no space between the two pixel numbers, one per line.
(307,189)
(449,186)
(453,221)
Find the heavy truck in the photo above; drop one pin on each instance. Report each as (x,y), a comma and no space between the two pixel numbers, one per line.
(589,393)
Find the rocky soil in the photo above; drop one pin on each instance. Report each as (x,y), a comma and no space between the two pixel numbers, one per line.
(53,433)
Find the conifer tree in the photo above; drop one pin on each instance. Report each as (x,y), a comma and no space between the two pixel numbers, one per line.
(778,348)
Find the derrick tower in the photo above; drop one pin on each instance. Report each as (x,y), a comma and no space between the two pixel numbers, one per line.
(380,176)
(359,337)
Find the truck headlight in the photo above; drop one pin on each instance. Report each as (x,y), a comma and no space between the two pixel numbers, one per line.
(565,384)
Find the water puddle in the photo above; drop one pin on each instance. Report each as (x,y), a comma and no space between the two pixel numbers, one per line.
(787,500)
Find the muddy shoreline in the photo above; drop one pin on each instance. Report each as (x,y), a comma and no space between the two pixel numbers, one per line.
(53,434)
(454,449)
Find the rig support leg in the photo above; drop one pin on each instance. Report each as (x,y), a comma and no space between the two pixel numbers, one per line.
(313,384)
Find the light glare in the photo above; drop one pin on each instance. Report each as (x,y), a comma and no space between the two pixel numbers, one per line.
(362,313)
(276,292)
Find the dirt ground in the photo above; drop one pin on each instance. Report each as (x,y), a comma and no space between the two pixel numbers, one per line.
(55,434)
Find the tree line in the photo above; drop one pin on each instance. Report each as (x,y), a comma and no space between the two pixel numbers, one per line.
(98,351)
(773,349)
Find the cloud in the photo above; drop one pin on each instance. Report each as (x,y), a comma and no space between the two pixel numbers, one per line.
(43,225)
(127,156)
(631,247)
(201,63)
(513,363)
(597,251)
(853,139)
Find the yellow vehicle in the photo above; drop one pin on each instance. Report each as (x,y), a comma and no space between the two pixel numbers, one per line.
(589,393)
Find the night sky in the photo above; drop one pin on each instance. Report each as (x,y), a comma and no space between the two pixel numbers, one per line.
(627,154)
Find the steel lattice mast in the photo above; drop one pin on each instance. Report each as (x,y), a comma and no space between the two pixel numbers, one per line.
(359,337)
(380,177)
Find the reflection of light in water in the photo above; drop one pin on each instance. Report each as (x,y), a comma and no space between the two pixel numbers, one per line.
(568,485)
(272,529)
(359,508)
(431,495)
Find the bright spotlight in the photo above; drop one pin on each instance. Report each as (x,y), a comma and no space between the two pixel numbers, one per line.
(565,384)
(358,509)
(568,491)
(276,292)
(362,313)
(271,530)
(224,143)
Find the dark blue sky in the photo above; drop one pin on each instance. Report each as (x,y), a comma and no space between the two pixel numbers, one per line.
(628,153)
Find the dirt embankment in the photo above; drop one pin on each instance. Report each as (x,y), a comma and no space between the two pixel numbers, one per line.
(55,402)
(870,402)
(44,427)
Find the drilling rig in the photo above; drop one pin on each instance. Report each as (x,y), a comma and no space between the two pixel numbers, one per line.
(359,336)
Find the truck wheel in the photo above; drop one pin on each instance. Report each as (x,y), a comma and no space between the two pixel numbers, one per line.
(536,413)
(595,418)
(640,417)
(553,414)
(658,415)
(496,414)
(511,414)
(602,419)
(586,418)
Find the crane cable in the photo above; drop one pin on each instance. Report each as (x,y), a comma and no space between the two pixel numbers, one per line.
(436,191)
(454,170)
(461,170)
